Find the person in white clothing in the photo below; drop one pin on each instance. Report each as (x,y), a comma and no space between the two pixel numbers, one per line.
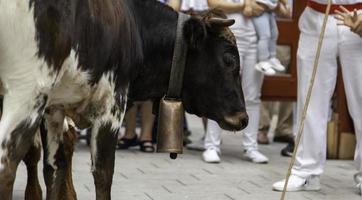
(246,39)
(267,32)
(189,5)
(341,42)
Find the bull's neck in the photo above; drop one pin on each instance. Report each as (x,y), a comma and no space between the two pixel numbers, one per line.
(157,24)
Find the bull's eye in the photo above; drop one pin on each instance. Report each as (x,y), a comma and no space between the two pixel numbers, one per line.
(229,60)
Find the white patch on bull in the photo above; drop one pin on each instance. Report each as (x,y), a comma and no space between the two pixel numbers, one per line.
(68,122)
(98,106)
(53,146)
(37,139)
(93,144)
(103,100)
(94,135)
(23,75)
(72,85)
(106,91)
(55,126)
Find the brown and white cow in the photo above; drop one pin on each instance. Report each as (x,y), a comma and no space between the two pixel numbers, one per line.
(79,58)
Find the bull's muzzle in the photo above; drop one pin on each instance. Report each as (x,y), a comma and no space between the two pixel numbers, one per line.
(235,122)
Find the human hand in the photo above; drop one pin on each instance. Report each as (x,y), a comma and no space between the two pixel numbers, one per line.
(350,19)
(345,17)
(257,9)
(247,11)
(284,2)
(283,11)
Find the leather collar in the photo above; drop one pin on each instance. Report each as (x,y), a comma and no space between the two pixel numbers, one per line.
(178,60)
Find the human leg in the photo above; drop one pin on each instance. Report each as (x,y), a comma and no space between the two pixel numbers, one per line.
(130,120)
(276,64)
(311,154)
(263,30)
(147,125)
(274,34)
(212,142)
(284,129)
(264,123)
(349,52)
(251,82)
(130,138)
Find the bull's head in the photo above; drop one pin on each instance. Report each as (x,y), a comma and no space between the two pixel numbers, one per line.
(212,85)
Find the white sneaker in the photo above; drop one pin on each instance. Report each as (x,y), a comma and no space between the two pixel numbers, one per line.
(255,156)
(297,183)
(358,180)
(211,155)
(266,68)
(275,62)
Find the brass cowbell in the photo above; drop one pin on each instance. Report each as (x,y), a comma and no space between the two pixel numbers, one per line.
(170,127)
(171,113)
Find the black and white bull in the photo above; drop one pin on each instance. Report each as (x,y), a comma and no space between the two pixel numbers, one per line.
(77,58)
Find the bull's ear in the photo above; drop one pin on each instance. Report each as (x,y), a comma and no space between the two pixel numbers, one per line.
(194,32)
(219,23)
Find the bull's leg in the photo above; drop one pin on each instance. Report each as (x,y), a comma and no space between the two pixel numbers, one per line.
(58,142)
(31,159)
(103,145)
(70,137)
(47,174)
(20,120)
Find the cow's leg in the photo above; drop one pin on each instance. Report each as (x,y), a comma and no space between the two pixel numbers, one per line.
(70,137)
(20,120)
(103,145)
(31,159)
(106,111)
(58,143)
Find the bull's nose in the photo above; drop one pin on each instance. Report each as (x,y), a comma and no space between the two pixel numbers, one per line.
(239,120)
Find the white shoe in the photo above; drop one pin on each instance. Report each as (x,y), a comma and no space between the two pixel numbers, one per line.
(275,62)
(297,183)
(255,156)
(197,145)
(211,155)
(358,180)
(266,68)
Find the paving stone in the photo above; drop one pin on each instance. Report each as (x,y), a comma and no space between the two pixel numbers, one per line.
(140,176)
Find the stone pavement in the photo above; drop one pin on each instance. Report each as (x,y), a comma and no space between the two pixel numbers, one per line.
(140,176)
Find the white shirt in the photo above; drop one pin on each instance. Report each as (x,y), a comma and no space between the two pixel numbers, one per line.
(243,26)
(339,2)
(196,5)
(269,3)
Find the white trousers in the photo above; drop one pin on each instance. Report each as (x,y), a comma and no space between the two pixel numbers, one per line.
(339,42)
(251,83)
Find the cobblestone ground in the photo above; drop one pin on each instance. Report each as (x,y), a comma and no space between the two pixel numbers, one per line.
(140,176)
